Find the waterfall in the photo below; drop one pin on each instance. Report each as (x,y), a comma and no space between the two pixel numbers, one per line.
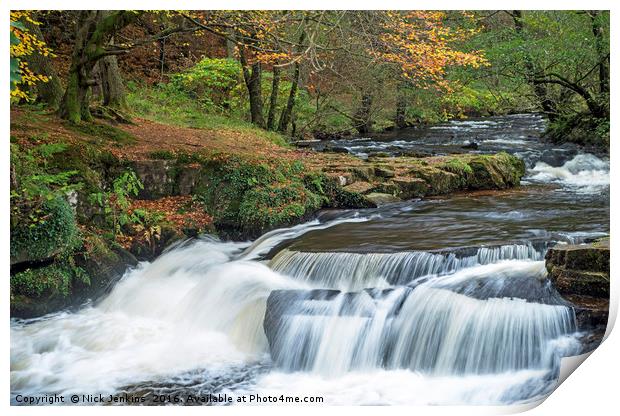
(193,307)
(355,271)
(426,329)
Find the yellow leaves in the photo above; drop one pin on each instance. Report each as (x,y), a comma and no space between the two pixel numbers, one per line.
(421,44)
(23,44)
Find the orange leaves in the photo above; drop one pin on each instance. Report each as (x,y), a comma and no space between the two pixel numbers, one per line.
(180,211)
(421,43)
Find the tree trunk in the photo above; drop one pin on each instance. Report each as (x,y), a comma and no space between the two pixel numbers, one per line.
(112,83)
(540,90)
(401,107)
(252,78)
(285,117)
(49,92)
(273,100)
(287,112)
(362,116)
(94,31)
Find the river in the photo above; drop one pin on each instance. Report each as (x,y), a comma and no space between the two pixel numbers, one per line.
(434,301)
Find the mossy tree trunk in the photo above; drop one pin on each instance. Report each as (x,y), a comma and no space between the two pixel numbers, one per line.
(49,92)
(112,87)
(93,33)
(402,103)
(287,111)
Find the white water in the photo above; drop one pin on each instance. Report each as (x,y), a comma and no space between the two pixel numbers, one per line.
(271,239)
(354,271)
(191,308)
(196,307)
(585,173)
(429,329)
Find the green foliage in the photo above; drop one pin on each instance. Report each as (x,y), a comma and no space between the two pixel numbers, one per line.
(42,221)
(48,281)
(50,230)
(254,196)
(115,202)
(147,225)
(162,155)
(32,180)
(210,81)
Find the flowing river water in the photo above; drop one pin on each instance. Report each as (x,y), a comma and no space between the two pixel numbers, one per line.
(435,301)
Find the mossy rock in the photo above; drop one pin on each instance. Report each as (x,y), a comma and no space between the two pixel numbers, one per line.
(56,232)
(499,171)
(409,188)
(41,290)
(68,281)
(438,181)
(248,197)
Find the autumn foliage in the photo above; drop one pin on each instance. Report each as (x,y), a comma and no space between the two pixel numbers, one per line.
(421,43)
(24,44)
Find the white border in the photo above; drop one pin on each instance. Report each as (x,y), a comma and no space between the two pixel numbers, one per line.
(591,390)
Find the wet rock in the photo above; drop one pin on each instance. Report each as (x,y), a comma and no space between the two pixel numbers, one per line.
(306,143)
(580,274)
(50,287)
(470,145)
(380,198)
(409,188)
(384,172)
(336,150)
(359,187)
(363,173)
(580,270)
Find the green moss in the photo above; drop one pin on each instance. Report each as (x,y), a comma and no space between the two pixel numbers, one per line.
(54,232)
(253,196)
(161,155)
(53,280)
(102,131)
(457,166)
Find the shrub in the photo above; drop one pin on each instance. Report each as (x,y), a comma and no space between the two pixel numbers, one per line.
(210,81)
(51,230)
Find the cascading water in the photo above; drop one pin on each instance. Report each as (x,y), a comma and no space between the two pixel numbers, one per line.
(428,328)
(423,302)
(191,308)
(354,271)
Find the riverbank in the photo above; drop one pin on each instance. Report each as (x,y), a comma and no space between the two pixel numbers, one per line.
(132,190)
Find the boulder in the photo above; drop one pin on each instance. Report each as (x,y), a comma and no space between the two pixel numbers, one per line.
(379,198)
(384,172)
(363,173)
(359,187)
(580,274)
(580,270)
(409,188)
